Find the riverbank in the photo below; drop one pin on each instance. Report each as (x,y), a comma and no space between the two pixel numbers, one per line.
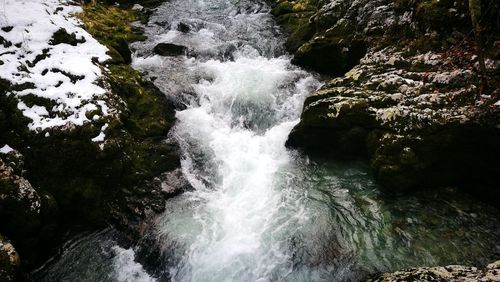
(408,95)
(446,273)
(258,210)
(80,146)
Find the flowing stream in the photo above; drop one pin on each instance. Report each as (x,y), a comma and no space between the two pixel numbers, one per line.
(258,211)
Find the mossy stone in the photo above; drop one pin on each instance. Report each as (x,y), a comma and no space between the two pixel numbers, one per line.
(62,36)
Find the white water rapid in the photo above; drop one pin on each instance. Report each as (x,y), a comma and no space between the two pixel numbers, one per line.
(258,211)
(238,223)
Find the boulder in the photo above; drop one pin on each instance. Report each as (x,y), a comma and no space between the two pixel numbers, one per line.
(406,95)
(441,273)
(184,28)
(169,49)
(415,117)
(331,36)
(28,214)
(137,7)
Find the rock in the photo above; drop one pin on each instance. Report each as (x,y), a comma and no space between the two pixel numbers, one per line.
(174,183)
(162,24)
(10,264)
(184,28)
(441,273)
(414,116)
(408,99)
(340,32)
(121,46)
(329,56)
(27,214)
(62,36)
(169,49)
(44,191)
(7,28)
(137,7)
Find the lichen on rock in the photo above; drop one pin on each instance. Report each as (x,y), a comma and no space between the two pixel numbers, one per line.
(442,273)
(411,104)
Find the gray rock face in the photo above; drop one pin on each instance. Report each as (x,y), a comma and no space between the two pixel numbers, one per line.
(415,116)
(330,36)
(411,104)
(442,273)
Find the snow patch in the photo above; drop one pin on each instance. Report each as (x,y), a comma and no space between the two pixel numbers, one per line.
(100,137)
(64,74)
(6,149)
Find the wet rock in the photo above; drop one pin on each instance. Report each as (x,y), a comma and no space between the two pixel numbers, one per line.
(184,28)
(174,183)
(441,273)
(169,49)
(121,46)
(414,116)
(408,98)
(162,24)
(137,7)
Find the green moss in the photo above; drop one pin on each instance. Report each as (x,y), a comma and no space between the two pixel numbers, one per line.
(112,27)
(294,17)
(148,114)
(282,8)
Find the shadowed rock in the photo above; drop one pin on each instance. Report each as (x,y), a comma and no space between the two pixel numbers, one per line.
(169,49)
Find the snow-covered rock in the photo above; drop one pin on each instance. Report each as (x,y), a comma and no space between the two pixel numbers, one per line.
(51,59)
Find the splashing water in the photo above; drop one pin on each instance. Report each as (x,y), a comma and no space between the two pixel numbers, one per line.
(260,212)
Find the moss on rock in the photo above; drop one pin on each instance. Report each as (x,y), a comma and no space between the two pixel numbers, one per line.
(414,116)
(111,26)
(101,182)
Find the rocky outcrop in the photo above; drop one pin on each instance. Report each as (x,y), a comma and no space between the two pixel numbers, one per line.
(74,159)
(411,104)
(28,214)
(442,273)
(415,116)
(330,36)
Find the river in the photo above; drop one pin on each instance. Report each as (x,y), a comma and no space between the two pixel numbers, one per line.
(259,211)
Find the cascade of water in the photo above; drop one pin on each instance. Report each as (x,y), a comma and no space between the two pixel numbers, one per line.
(260,212)
(233,139)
